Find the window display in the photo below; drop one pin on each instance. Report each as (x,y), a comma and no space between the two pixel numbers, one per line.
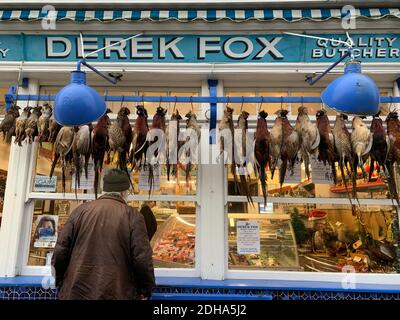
(5,153)
(319,237)
(173,244)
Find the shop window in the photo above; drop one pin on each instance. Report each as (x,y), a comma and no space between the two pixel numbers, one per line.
(3,91)
(176,185)
(173,244)
(4,155)
(313,237)
(49,217)
(299,185)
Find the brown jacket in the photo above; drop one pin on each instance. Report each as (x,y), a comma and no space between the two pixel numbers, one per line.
(104,252)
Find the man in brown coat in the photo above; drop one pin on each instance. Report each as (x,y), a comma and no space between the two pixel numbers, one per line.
(103,251)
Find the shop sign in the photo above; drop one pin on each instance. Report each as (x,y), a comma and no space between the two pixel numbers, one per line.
(198,48)
(248,237)
(145,183)
(45,184)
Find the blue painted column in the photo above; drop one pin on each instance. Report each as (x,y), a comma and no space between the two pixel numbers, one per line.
(212,86)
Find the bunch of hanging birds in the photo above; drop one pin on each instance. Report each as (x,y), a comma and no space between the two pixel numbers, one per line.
(126,146)
(116,143)
(336,147)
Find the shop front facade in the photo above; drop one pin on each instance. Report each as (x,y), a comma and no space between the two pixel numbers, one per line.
(307,240)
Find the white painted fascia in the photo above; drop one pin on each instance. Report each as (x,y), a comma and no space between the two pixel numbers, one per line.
(200,68)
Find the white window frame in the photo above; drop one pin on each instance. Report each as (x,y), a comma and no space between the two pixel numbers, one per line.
(24,247)
(211,219)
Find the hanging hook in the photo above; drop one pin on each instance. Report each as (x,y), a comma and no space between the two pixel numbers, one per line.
(261,104)
(241,106)
(174,104)
(29,99)
(122,101)
(281,103)
(227,102)
(191,103)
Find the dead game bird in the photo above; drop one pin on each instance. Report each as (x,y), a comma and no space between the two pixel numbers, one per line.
(158,126)
(44,123)
(54,129)
(173,144)
(9,120)
(81,147)
(226,129)
(241,147)
(326,148)
(31,130)
(193,131)
(139,142)
(62,148)
(20,125)
(309,137)
(285,144)
(361,142)
(100,147)
(262,151)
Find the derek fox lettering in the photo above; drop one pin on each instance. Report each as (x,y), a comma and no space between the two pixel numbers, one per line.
(171,48)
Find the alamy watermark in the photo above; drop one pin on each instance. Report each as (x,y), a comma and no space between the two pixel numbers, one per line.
(49,21)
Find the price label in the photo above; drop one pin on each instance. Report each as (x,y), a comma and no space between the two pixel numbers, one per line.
(248,237)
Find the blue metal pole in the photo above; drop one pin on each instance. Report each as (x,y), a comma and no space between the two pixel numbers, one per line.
(113,81)
(212,86)
(210,100)
(312,81)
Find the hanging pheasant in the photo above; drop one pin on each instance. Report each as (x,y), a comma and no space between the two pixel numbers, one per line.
(262,151)
(62,148)
(309,137)
(100,147)
(7,125)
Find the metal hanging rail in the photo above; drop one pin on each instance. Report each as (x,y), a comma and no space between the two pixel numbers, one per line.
(187,99)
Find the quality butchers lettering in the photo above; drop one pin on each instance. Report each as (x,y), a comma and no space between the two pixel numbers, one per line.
(364,47)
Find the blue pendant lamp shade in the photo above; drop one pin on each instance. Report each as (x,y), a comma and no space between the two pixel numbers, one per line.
(353,92)
(78,104)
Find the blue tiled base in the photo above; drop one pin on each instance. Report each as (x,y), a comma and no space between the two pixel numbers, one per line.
(176,293)
(170,288)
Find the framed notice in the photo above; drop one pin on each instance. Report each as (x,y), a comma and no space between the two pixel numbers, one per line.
(248,237)
(46,231)
(45,184)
